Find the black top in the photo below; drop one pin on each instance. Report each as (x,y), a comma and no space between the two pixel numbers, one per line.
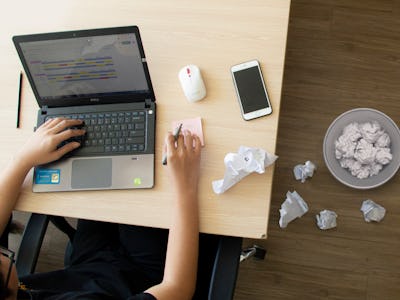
(35,294)
(106,261)
(108,276)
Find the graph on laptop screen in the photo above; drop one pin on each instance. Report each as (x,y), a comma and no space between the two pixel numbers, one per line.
(86,66)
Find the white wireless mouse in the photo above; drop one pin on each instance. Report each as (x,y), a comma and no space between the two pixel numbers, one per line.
(192,83)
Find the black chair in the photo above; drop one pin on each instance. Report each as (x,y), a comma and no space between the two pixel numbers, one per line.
(221,281)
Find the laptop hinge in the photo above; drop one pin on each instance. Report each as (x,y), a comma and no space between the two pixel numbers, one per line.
(147,103)
(43,110)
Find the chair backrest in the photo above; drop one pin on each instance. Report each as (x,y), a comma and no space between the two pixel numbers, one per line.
(224,275)
(31,243)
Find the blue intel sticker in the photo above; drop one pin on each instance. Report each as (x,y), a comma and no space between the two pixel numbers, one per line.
(47,176)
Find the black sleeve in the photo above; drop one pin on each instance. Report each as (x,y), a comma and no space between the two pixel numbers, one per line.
(143,296)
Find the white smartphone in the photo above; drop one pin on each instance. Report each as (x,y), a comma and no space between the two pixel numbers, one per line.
(250,89)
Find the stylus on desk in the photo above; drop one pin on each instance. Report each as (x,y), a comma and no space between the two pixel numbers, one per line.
(19,98)
(176,135)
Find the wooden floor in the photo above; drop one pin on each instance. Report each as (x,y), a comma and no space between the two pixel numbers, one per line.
(341,54)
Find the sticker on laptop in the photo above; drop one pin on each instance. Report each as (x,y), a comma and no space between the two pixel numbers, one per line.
(47,176)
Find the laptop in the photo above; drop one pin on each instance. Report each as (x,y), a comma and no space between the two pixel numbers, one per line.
(101,77)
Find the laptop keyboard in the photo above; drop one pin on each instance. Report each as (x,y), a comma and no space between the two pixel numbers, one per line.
(110,133)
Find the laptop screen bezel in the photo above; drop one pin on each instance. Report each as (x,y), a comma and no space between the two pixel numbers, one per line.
(65,101)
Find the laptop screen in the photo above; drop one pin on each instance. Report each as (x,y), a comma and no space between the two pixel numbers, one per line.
(95,66)
(82,67)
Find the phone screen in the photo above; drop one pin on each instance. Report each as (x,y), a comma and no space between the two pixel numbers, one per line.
(251,89)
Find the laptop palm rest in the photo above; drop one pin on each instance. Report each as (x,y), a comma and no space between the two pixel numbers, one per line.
(91,173)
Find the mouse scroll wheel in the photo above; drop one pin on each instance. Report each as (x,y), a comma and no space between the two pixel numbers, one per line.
(188,71)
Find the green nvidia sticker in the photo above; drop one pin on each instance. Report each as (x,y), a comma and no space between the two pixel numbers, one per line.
(137,181)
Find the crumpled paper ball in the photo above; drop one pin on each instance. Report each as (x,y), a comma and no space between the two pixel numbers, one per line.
(326,219)
(372,211)
(302,172)
(293,207)
(239,165)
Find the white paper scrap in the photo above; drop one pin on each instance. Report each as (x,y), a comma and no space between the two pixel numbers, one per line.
(302,172)
(293,207)
(326,219)
(372,211)
(239,165)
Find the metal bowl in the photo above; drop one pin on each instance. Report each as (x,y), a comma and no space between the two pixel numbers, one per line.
(361,115)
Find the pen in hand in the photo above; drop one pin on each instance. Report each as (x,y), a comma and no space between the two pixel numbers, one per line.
(19,98)
(175,134)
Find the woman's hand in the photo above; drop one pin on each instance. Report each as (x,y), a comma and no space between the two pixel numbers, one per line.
(41,147)
(183,156)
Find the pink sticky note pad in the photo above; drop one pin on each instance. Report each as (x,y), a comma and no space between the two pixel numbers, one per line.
(193,125)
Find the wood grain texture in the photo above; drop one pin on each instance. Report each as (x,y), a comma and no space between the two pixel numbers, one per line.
(340,55)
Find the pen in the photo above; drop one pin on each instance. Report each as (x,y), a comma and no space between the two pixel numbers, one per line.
(176,134)
(19,98)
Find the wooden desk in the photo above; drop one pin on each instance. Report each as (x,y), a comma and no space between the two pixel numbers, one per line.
(211,34)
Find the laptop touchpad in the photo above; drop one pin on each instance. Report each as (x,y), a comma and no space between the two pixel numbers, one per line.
(91,173)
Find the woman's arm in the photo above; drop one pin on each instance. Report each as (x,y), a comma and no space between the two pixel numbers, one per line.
(183,159)
(41,148)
